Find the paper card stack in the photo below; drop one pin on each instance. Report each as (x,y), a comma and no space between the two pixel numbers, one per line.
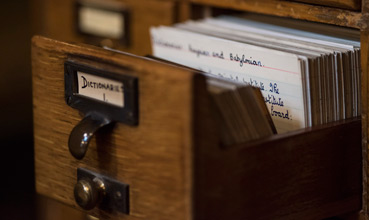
(241,110)
(308,73)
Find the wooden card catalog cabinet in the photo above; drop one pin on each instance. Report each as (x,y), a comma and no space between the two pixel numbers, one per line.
(120,24)
(168,162)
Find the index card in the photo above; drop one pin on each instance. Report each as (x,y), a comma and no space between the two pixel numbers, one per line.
(276,73)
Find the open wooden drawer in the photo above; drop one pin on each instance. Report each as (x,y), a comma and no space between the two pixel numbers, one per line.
(173,161)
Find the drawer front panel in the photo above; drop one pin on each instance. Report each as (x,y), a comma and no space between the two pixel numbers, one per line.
(153,158)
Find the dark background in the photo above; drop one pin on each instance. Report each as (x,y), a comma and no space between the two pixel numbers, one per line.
(17,197)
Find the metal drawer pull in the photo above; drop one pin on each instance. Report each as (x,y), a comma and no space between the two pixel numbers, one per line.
(103,97)
(81,134)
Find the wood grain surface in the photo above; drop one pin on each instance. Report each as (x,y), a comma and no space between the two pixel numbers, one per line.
(162,185)
(173,161)
(48,209)
(57,19)
(313,173)
(154,158)
(296,10)
(345,4)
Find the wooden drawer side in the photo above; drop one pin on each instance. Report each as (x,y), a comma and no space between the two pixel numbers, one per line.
(313,173)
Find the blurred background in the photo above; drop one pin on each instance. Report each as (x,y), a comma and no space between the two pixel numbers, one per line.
(17,195)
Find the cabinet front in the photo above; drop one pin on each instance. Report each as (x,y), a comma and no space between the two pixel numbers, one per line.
(122,24)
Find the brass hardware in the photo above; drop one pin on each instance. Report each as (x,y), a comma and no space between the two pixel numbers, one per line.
(98,112)
(89,194)
(96,190)
(81,134)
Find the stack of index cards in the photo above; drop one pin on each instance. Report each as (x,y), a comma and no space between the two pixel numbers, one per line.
(308,73)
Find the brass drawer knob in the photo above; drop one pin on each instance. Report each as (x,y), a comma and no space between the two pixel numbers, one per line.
(96,190)
(89,193)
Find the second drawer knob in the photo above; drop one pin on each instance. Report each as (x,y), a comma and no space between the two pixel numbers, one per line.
(89,193)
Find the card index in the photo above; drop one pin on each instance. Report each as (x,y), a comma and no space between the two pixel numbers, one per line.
(277,74)
(307,77)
